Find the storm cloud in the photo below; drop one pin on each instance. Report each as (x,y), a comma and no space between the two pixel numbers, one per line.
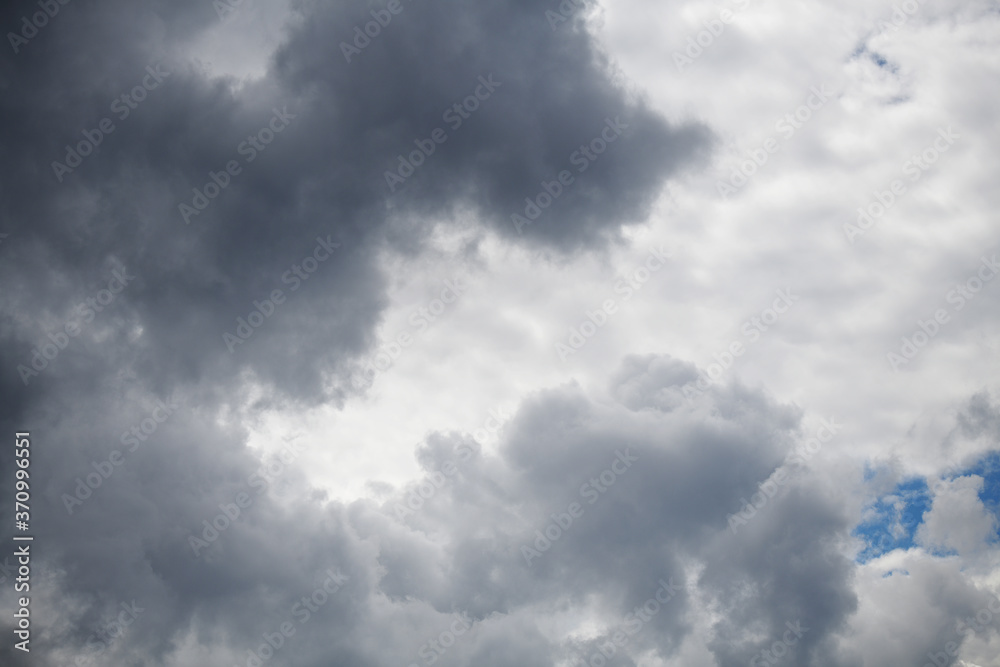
(284,287)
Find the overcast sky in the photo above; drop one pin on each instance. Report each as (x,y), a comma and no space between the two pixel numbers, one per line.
(427,332)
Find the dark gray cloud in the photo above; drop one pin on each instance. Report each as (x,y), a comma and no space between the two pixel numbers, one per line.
(319,183)
(321,177)
(677,475)
(587,509)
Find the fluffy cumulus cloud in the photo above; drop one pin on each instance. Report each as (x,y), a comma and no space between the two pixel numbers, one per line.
(958,520)
(622,506)
(337,335)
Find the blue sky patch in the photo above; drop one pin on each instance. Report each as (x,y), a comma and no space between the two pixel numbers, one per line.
(988,468)
(891,521)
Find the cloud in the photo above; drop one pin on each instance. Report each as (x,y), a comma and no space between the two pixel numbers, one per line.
(202,268)
(286,190)
(654,488)
(958,521)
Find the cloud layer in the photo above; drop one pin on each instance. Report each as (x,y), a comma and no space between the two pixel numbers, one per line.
(255,313)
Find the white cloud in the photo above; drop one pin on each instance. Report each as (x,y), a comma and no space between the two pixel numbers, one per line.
(958,520)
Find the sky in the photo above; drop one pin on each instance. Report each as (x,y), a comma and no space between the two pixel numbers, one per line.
(410,333)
